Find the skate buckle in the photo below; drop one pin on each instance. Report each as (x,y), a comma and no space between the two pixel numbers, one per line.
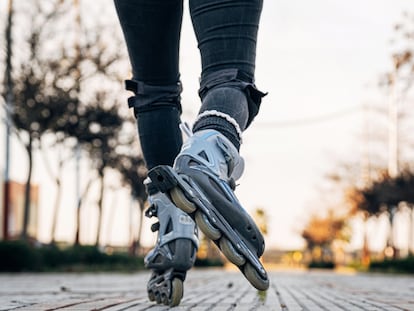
(151,211)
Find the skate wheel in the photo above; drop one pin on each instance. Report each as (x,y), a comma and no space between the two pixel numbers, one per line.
(158,298)
(255,278)
(164,299)
(208,229)
(151,295)
(177,291)
(181,201)
(231,253)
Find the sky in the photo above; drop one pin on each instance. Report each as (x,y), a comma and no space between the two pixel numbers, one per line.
(315,58)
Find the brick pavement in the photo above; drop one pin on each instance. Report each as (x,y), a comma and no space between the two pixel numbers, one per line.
(209,290)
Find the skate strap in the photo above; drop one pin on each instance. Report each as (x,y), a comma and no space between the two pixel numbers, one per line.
(148,96)
(141,88)
(151,211)
(155,226)
(235,164)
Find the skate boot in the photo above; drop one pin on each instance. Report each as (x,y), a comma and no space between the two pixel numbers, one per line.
(202,184)
(174,252)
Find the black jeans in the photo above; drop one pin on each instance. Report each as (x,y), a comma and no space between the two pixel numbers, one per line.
(226,32)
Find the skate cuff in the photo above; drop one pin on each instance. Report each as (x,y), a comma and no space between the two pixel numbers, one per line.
(223,115)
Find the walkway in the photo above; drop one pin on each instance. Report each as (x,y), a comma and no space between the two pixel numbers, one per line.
(209,290)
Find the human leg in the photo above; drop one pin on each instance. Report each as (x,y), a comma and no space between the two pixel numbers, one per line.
(227,37)
(152,31)
(208,164)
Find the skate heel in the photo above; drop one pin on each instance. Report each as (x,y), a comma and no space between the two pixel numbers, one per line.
(174,253)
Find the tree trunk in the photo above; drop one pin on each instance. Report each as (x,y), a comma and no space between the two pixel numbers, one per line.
(390,240)
(78,209)
(366,256)
(100,203)
(26,214)
(56,210)
(141,220)
(131,241)
(8,87)
(77,230)
(57,178)
(112,210)
(410,230)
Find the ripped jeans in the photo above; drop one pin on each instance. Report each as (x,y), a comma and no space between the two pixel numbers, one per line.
(226,32)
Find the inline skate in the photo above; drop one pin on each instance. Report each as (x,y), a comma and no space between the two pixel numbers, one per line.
(202,184)
(174,252)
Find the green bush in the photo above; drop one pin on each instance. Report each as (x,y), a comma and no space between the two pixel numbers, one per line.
(207,262)
(89,255)
(51,256)
(321,265)
(404,265)
(17,256)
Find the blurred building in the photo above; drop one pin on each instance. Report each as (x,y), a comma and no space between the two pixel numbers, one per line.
(16,210)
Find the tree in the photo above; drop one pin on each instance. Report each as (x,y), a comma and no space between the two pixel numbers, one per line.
(43,98)
(8,96)
(404,186)
(366,205)
(133,173)
(384,195)
(321,231)
(98,133)
(55,94)
(261,219)
(399,82)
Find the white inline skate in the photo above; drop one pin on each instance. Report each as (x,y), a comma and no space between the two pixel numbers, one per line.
(202,184)
(174,252)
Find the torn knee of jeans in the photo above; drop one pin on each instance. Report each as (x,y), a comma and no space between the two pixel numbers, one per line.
(238,79)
